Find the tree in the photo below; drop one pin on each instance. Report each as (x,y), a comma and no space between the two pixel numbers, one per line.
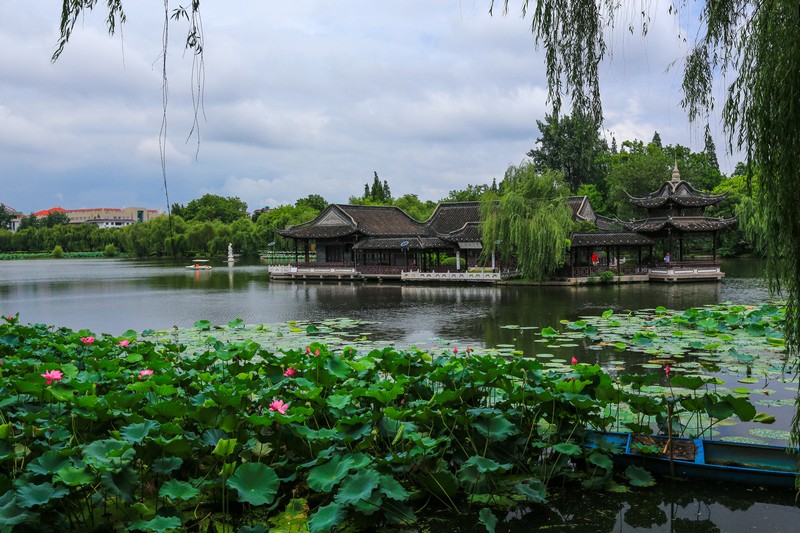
(530,220)
(211,207)
(710,151)
(472,193)
(571,144)
(314,201)
(656,139)
(754,48)
(6,216)
(55,218)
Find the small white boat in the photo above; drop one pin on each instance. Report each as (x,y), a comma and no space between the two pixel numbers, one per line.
(199,264)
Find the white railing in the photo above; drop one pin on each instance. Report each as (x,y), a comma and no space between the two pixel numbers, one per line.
(416,275)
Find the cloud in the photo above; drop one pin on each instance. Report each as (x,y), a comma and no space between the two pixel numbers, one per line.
(298,98)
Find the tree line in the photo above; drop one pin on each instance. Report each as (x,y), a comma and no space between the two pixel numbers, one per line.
(570,152)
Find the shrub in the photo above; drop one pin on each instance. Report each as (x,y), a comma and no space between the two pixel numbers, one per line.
(607,276)
(110,251)
(58,252)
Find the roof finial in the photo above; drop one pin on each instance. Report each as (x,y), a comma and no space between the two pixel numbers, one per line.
(676,175)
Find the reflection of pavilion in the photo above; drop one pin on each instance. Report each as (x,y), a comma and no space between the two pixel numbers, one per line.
(676,212)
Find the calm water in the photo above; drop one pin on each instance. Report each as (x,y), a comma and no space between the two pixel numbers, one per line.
(112,296)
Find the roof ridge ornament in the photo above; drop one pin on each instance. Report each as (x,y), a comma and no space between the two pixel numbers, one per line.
(676,174)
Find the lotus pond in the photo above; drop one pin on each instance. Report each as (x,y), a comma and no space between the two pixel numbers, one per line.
(317,425)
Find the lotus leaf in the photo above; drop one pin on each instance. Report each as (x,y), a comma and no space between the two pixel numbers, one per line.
(48,463)
(256,483)
(639,477)
(358,486)
(327,517)
(159,524)
(31,494)
(324,477)
(488,519)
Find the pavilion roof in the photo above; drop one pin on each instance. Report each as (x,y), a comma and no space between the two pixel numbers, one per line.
(338,220)
(676,191)
(453,216)
(580,240)
(688,224)
(402,242)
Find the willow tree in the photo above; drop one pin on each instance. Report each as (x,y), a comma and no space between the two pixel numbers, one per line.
(749,47)
(529,221)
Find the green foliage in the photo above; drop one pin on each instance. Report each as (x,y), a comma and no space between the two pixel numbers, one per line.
(529,221)
(58,252)
(211,207)
(472,193)
(571,144)
(110,251)
(606,276)
(6,216)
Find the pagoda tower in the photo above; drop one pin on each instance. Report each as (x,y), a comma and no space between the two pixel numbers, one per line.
(676,212)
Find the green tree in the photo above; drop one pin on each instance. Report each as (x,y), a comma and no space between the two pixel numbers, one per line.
(6,216)
(314,201)
(571,144)
(415,207)
(472,193)
(529,221)
(29,221)
(212,207)
(754,48)
(55,218)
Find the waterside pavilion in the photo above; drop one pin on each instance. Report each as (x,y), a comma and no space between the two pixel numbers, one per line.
(676,214)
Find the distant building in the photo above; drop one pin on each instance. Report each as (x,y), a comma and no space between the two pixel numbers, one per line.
(105,217)
(17,217)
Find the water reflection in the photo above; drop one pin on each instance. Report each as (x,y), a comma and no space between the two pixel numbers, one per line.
(676,506)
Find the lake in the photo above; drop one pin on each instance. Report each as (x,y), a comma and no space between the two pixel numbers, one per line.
(114,295)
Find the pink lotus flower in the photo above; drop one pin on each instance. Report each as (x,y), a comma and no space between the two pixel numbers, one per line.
(574,360)
(144,373)
(290,372)
(469,350)
(667,370)
(124,342)
(53,375)
(308,350)
(455,349)
(316,352)
(87,340)
(279,405)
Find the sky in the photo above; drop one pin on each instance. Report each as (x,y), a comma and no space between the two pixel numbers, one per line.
(299,98)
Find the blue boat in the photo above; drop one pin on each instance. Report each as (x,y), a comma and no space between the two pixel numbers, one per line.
(750,464)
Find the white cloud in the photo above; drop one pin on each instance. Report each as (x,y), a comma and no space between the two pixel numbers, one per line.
(299,98)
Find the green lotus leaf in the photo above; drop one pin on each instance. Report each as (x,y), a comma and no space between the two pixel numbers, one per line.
(639,477)
(256,483)
(47,463)
(108,454)
(178,490)
(324,477)
(203,325)
(533,490)
(601,460)
(74,476)
(159,524)
(484,464)
(488,519)
(549,332)
(339,401)
(294,517)
(496,428)
(225,447)
(314,434)
(327,517)
(31,494)
(136,433)
(764,418)
(165,465)
(441,483)
(358,486)
(391,488)
(10,513)
(567,448)
(261,528)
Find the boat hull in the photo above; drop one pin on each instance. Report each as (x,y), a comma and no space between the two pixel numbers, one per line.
(750,464)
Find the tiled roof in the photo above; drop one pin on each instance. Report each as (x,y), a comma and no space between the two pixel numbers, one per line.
(397,243)
(609,239)
(338,220)
(687,224)
(470,232)
(453,216)
(680,193)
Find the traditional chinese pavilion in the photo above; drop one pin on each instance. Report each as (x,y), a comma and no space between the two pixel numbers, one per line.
(676,214)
